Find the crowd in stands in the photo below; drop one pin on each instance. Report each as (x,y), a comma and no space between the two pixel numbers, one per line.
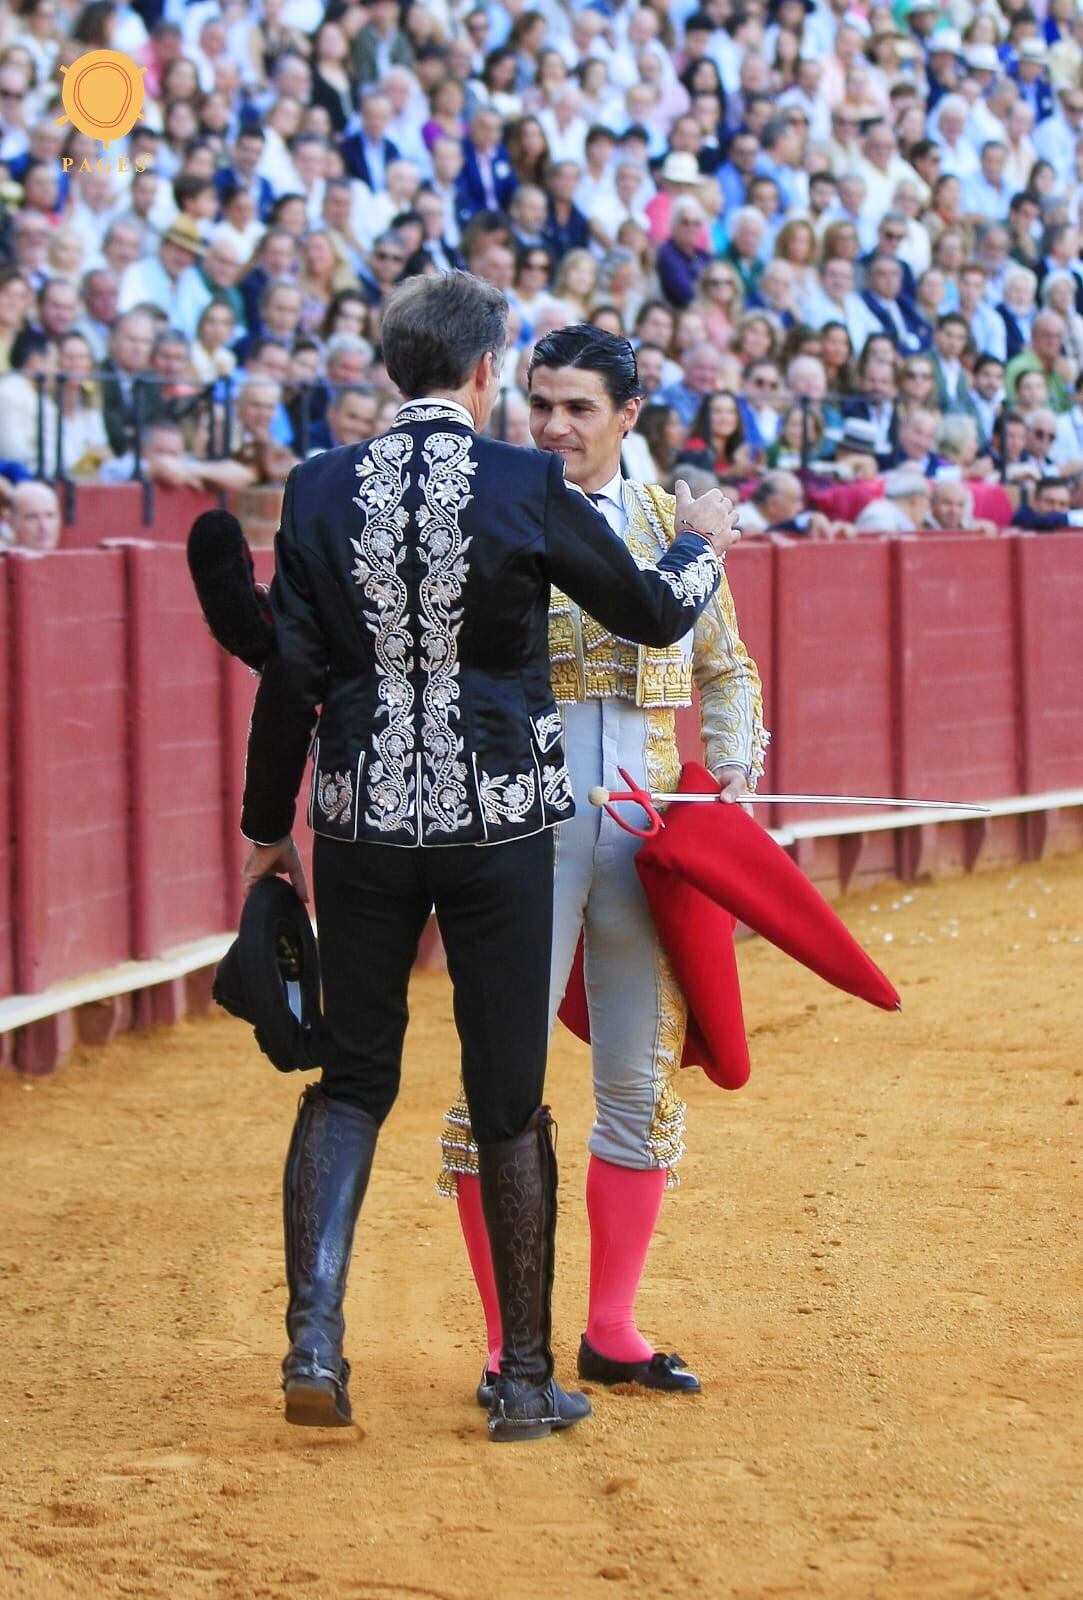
(845,239)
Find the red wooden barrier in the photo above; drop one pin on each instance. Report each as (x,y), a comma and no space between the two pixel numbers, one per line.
(71,781)
(178,861)
(116,511)
(943,666)
(956,669)
(750,571)
(1049,586)
(7,948)
(104,511)
(173,511)
(832,661)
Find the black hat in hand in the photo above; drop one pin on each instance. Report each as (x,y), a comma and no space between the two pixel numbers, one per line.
(270,977)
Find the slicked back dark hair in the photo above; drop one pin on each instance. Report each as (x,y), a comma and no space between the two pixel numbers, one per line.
(593,350)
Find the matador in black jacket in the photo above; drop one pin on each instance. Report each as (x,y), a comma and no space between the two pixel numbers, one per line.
(410,608)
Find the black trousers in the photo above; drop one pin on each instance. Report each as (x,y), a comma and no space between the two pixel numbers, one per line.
(494,905)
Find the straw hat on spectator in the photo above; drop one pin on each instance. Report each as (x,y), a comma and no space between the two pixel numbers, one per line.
(184,232)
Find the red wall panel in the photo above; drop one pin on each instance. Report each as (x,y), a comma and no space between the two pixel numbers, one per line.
(178,849)
(104,511)
(944,666)
(173,511)
(71,786)
(956,665)
(749,569)
(7,952)
(1049,584)
(833,725)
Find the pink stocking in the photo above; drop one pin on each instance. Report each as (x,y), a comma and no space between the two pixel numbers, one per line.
(622,1205)
(472,1222)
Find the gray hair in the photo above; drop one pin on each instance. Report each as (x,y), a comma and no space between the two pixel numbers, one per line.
(346,344)
(956,435)
(745,214)
(436,329)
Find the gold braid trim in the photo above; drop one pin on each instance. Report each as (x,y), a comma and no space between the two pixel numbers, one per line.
(589,662)
(458,1151)
(662,768)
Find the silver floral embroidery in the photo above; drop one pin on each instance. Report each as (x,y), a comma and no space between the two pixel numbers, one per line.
(383,482)
(506,798)
(695,582)
(428,411)
(446,488)
(556,787)
(547,729)
(334,795)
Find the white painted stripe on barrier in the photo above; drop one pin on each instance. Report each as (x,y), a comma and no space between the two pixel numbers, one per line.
(21,1009)
(878,822)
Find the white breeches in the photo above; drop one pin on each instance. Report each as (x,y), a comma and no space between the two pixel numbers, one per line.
(637,1013)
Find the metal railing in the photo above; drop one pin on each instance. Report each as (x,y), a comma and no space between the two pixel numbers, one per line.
(217,402)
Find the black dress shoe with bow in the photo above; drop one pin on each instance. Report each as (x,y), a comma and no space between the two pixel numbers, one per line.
(667,1373)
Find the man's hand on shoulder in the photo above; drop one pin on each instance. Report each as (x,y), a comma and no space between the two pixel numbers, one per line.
(713,515)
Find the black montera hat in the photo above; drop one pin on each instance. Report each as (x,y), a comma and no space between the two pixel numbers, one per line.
(270,977)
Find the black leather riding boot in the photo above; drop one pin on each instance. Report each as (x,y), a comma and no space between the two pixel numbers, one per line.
(519,1198)
(327,1173)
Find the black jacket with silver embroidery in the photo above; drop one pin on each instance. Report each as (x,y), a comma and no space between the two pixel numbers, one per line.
(411,600)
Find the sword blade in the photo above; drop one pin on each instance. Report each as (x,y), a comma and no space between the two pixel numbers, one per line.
(822,800)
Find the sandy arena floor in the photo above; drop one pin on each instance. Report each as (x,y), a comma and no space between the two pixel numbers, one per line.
(872,1263)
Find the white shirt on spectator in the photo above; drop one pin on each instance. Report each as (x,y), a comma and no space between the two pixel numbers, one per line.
(568,143)
(244,241)
(1068,445)
(148,283)
(915,249)
(1056,143)
(19,423)
(276,165)
(981,199)
(859,320)
(956,161)
(880,186)
(883,516)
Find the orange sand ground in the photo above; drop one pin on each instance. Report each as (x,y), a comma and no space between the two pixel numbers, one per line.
(872,1262)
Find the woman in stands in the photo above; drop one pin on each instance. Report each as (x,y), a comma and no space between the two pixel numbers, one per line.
(665,434)
(16,297)
(718,438)
(837,354)
(796,245)
(528,151)
(719,301)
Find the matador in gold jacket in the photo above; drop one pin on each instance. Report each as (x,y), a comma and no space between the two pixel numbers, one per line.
(617,702)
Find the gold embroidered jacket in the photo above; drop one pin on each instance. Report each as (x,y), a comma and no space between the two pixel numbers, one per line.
(590,663)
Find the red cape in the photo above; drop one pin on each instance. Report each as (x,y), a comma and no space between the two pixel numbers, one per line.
(710,867)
